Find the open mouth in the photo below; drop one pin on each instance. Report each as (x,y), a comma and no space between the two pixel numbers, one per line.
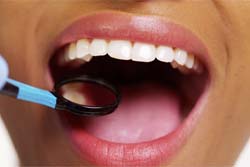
(162,86)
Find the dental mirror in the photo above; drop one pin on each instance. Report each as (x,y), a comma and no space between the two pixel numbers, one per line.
(82,95)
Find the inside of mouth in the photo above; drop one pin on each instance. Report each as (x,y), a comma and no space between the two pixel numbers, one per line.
(156,98)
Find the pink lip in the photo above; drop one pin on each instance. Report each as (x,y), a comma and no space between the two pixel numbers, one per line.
(149,29)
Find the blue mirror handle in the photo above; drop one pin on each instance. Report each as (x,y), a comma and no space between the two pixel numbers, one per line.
(23,91)
(29,93)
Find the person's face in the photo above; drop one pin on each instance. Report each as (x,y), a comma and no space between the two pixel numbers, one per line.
(150,127)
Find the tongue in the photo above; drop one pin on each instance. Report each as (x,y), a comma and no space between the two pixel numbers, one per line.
(147,112)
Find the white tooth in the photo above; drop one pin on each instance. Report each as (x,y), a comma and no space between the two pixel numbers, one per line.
(143,52)
(120,49)
(190,61)
(180,56)
(82,49)
(165,54)
(87,58)
(70,53)
(98,47)
(74,97)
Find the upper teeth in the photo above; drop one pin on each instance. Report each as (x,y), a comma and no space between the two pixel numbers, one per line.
(143,52)
(126,50)
(120,49)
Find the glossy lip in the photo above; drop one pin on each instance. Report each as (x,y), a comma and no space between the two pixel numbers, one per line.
(148,29)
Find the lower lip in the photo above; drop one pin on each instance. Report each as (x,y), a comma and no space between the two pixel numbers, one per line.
(150,153)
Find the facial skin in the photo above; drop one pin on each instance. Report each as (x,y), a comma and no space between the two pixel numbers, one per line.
(29,27)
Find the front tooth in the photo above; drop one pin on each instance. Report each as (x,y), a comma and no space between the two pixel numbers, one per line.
(181,56)
(70,52)
(82,49)
(143,52)
(165,54)
(98,47)
(120,49)
(190,61)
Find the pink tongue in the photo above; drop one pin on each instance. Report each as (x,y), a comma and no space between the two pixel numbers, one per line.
(147,111)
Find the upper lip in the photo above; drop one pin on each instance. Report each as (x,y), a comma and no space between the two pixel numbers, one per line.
(148,29)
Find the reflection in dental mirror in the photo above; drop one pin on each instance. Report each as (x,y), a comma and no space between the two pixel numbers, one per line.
(89,94)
